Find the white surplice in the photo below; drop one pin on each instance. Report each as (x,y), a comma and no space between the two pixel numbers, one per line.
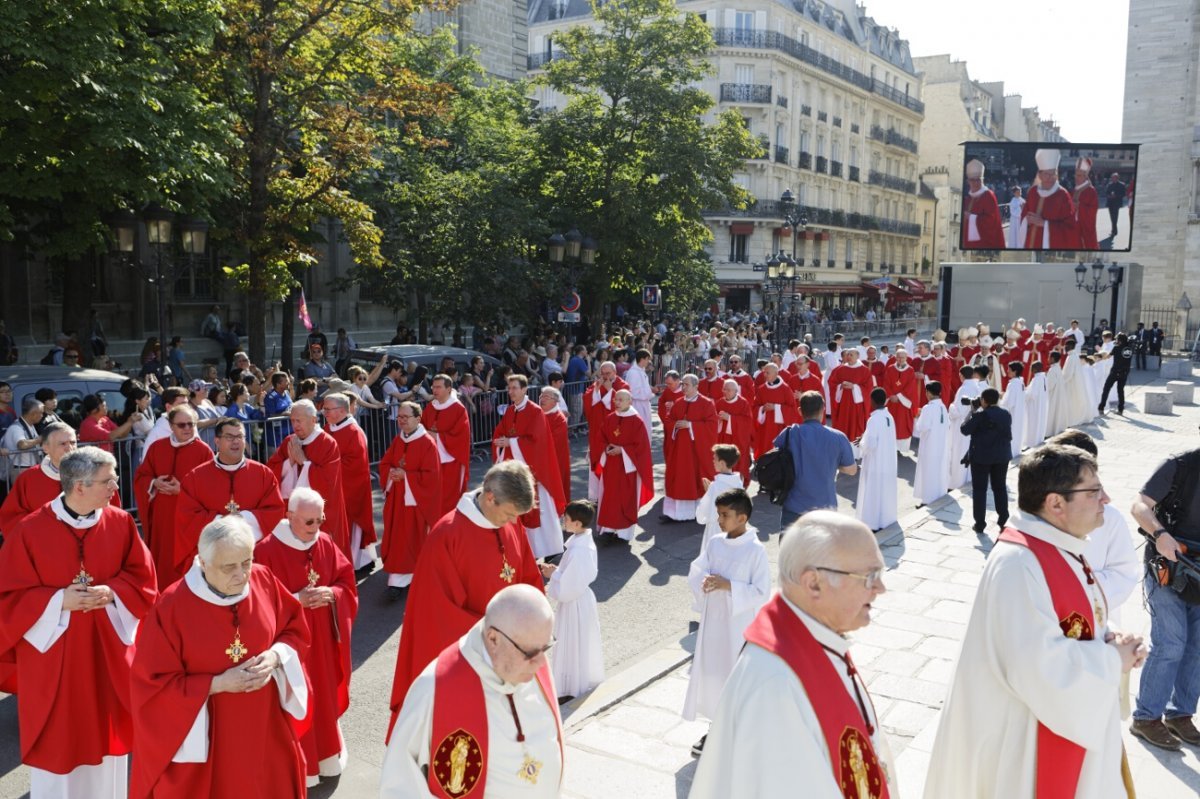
(1056,401)
(1114,559)
(706,510)
(1017,669)
(724,615)
(642,394)
(932,426)
(406,761)
(766,741)
(1013,401)
(577,660)
(957,474)
(876,505)
(1037,405)
(1080,408)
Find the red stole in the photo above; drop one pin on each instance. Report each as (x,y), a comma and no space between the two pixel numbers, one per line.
(1059,761)
(779,630)
(458,741)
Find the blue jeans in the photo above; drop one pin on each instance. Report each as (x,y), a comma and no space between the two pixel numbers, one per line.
(1171,675)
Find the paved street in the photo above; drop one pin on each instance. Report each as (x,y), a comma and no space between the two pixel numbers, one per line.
(639,745)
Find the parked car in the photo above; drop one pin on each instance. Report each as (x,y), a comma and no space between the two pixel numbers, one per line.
(70,384)
(426,355)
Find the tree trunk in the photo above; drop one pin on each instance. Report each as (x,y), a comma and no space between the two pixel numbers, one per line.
(78,290)
(287,331)
(261,156)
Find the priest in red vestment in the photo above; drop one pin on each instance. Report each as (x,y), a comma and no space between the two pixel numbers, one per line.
(814,366)
(735,425)
(692,427)
(219,682)
(875,364)
(550,401)
(445,418)
(356,478)
(308,564)
(470,555)
(850,387)
(775,409)
(230,484)
(310,457)
(940,367)
(806,377)
(411,478)
(900,383)
(672,392)
(625,469)
(523,435)
(156,487)
(982,229)
(1087,205)
(745,382)
(712,384)
(597,405)
(1048,220)
(75,553)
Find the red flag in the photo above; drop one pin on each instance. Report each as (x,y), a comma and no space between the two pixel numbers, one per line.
(304,317)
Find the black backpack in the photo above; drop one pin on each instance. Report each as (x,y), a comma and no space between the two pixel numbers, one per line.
(377,390)
(776,472)
(48,358)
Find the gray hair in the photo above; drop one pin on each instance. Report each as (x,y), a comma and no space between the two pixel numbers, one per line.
(223,530)
(736,384)
(339,399)
(690,379)
(305,497)
(80,466)
(306,406)
(810,542)
(55,427)
(29,403)
(551,391)
(511,482)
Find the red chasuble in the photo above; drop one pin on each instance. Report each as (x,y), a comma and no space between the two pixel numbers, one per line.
(32,489)
(813,367)
(328,661)
(941,370)
(597,404)
(690,456)
(622,495)
(556,420)
(850,407)
(465,562)
(809,382)
(877,368)
(902,384)
(713,388)
(158,512)
(527,427)
(253,745)
(768,423)
(460,723)
(1059,761)
(738,430)
(1087,203)
(208,491)
(1058,212)
(75,704)
(779,630)
(324,477)
(745,385)
(667,400)
(987,221)
(356,479)
(406,525)
(451,430)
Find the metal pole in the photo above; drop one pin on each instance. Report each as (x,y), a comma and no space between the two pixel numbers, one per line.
(162,316)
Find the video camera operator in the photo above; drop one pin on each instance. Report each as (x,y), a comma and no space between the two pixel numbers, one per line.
(1168,514)
(990,429)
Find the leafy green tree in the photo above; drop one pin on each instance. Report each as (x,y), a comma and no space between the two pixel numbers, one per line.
(636,154)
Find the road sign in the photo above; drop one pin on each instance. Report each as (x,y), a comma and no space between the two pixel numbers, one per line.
(566,316)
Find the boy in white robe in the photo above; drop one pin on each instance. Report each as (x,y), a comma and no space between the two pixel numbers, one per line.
(1013,401)
(639,387)
(577,661)
(725,458)
(932,426)
(730,581)
(1037,405)
(876,502)
(974,381)
(1056,399)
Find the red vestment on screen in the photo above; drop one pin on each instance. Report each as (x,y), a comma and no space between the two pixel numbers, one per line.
(1087,204)
(989,230)
(1058,213)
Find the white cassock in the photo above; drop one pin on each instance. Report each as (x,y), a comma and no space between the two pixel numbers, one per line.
(706,509)
(724,615)
(577,660)
(407,758)
(766,741)
(1015,207)
(876,502)
(1037,405)
(1079,408)
(932,426)
(957,474)
(642,393)
(1056,401)
(1114,560)
(1094,382)
(1013,401)
(910,346)
(1017,668)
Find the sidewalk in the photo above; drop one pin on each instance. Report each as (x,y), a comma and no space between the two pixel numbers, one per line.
(627,738)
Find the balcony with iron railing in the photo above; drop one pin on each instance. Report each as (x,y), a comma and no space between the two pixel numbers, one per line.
(827,217)
(745,93)
(781,155)
(835,168)
(895,139)
(806,110)
(854,174)
(768,40)
(764,152)
(822,116)
(891,182)
(837,122)
(822,164)
(805,161)
(781,101)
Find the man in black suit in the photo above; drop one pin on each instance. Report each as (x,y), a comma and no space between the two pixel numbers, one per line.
(1141,343)
(990,429)
(1114,198)
(1156,339)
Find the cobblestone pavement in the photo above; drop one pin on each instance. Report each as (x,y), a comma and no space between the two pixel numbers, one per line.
(640,746)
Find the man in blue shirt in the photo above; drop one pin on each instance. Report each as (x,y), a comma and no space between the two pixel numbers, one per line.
(577,379)
(818,454)
(278,403)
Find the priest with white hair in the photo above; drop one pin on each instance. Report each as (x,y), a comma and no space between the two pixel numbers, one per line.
(1048,221)
(984,229)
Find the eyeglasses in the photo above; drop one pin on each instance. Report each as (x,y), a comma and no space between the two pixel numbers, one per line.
(112,481)
(530,656)
(232,438)
(184,425)
(871,579)
(312,522)
(1095,491)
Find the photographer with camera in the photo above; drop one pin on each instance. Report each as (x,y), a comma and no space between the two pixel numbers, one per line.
(990,429)
(1168,515)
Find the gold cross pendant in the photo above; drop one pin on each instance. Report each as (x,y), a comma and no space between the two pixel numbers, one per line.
(530,769)
(313,578)
(237,649)
(507,572)
(231,507)
(83,578)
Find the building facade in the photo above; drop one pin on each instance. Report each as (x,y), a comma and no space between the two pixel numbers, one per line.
(837,104)
(495,30)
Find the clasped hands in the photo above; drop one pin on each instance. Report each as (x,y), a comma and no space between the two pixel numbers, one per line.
(87,597)
(714,582)
(248,676)
(1132,650)
(296,451)
(316,596)
(166,485)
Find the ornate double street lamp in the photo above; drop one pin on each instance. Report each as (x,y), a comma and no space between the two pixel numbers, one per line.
(155,227)
(781,275)
(1094,285)
(576,251)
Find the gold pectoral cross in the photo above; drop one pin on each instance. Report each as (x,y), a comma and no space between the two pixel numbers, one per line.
(231,507)
(313,578)
(237,650)
(530,769)
(83,578)
(507,572)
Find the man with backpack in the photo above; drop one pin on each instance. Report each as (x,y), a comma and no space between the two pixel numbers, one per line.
(818,453)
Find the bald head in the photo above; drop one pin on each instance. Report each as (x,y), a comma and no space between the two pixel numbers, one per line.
(518,630)
(517,607)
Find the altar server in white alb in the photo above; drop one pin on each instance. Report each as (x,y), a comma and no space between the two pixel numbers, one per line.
(639,387)
(1037,404)
(795,718)
(933,429)
(973,384)
(725,457)
(1033,709)
(578,660)
(730,581)
(1013,401)
(876,503)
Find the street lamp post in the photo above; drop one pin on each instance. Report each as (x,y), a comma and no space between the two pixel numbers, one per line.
(781,274)
(576,251)
(1094,285)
